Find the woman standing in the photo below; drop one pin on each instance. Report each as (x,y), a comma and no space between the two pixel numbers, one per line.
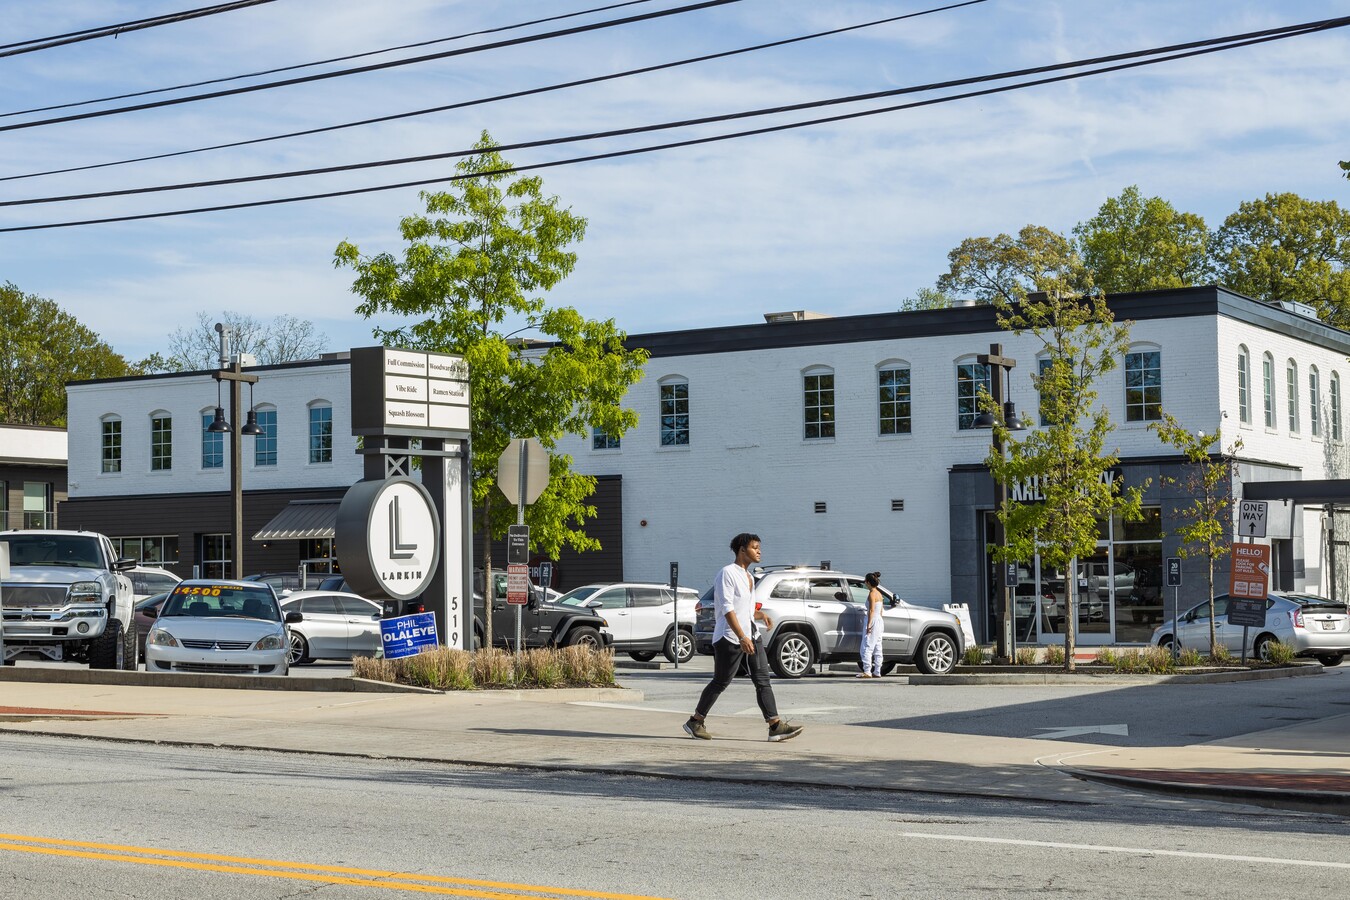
(876,627)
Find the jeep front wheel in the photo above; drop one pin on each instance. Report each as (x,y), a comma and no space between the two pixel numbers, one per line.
(791,655)
(583,637)
(937,654)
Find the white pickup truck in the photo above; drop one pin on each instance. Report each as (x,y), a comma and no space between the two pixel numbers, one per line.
(66,597)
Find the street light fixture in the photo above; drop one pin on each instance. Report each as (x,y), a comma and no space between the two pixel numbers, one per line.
(1007,638)
(232,371)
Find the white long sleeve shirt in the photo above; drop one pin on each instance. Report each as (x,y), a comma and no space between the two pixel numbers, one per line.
(733,591)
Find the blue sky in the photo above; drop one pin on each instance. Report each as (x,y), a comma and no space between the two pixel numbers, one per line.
(842,219)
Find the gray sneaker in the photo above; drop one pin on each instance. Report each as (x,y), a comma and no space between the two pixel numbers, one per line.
(694,728)
(781,731)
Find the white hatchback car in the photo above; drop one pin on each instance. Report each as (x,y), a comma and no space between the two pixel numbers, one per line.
(641,617)
(336,625)
(223,627)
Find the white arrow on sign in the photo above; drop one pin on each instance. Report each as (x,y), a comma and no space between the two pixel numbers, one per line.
(1078,730)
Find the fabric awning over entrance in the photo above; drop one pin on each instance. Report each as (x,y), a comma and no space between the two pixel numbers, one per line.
(301,520)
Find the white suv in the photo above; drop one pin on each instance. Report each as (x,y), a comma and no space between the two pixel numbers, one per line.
(820,615)
(641,617)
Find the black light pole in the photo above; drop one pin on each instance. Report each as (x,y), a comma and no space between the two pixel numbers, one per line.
(232,371)
(1006,643)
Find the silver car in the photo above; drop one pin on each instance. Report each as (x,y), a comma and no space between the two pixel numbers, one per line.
(225,627)
(820,615)
(336,625)
(1314,626)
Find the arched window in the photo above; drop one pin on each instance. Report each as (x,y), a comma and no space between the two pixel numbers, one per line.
(894,411)
(1143,384)
(970,377)
(320,431)
(213,442)
(1314,401)
(673,403)
(1268,387)
(111,428)
(818,402)
(1291,385)
(161,441)
(1244,366)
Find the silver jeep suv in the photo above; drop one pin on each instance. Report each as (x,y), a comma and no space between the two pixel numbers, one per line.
(820,615)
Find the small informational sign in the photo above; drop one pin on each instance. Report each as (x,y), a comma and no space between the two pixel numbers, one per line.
(1252,518)
(1174,571)
(517,583)
(518,545)
(1011,575)
(408,635)
(546,573)
(1250,575)
(674,575)
(1247,613)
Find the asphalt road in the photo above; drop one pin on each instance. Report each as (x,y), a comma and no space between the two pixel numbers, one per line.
(92,819)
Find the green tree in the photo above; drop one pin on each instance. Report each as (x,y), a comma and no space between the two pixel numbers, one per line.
(1138,243)
(476,263)
(41,348)
(1207,520)
(1287,248)
(1041,287)
(1004,269)
(927,298)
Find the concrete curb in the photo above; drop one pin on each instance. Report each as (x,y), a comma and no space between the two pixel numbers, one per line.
(1224,677)
(1334,803)
(296,683)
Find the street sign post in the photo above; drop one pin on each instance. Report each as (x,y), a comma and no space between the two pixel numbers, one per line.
(1174,582)
(1252,519)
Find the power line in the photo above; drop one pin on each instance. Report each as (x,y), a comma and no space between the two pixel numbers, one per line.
(321,62)
(1211,47)
(372,67)
(89,34)
(499,97)
(1220,43)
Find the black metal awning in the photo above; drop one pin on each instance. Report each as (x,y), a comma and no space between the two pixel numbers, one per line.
(1309,493)
(301,520)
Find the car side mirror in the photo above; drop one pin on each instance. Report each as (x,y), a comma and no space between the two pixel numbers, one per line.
(533,602)
(293,617)
(149,612)
(841,596)
(125,564)
(376,617)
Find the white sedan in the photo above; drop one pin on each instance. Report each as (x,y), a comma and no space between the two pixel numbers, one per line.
(336,625)
(222,627)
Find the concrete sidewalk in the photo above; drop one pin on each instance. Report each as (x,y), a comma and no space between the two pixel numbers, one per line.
(1305,767)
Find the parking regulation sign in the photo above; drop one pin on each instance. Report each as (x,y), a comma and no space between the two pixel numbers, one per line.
(408,635)
(517,583)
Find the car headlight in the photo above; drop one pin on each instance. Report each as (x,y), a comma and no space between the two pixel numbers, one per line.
(161,638)
(271,642)
(85,590)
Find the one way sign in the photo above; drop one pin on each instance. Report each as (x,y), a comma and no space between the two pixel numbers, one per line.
(1252,519)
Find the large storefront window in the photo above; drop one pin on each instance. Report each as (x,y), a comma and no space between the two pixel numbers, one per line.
(1118,589)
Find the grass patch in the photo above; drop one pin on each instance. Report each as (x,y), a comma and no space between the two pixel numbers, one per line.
(1148,661)
(974,656)
(1027,656)
(459,670)
(1281,654)
(1189,657)
(1054,654)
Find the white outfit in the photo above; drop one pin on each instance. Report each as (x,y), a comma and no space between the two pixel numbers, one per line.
(733,592)
(871,644)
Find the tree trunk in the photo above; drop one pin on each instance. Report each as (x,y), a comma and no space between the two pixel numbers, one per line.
(487,574)
(1070,614)
(1213,638)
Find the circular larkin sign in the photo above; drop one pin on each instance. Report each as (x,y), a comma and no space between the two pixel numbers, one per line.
(388,538)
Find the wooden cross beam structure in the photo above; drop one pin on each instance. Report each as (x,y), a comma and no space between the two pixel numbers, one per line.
(236,377)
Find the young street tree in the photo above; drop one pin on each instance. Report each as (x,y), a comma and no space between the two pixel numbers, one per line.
(1208,520)
(41,348)
(1138,243)
(477,263)
(1039,286)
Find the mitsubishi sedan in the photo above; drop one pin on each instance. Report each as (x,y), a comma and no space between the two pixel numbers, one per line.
(223,627)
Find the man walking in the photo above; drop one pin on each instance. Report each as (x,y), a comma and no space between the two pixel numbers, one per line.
(736,637)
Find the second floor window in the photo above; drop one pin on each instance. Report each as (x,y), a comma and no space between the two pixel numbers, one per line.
(320,434)
(213,444)
(1244,387)
(818,397)
(112,445)
(1143,386)
(1291,379)
(161,443)
(1268,388)
(1335,406)
(603,440)
(970,377)
(265,444)
(893,403)
(1315,402)
(675,414)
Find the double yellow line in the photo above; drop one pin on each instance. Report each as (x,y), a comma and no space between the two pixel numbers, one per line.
(297,871)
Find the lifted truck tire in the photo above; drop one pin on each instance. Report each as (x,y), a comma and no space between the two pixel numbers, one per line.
(108,650)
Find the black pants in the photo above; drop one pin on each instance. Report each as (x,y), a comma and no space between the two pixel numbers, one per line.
(728,658)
